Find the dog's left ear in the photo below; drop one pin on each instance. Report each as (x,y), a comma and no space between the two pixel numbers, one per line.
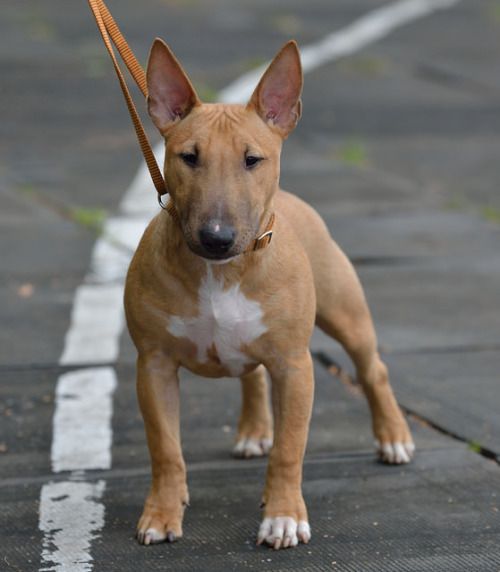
(276,98)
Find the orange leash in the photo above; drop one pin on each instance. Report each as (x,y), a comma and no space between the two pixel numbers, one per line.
(111,35)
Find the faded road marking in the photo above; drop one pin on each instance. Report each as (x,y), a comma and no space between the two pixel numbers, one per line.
(82,420)
(71,516)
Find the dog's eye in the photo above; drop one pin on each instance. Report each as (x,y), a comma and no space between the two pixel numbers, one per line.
(191,159)
(251,161)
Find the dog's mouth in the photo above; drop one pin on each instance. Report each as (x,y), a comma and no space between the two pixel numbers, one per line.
(221,260)
(213,257)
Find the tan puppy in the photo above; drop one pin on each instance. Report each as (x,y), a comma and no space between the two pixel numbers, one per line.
(195,297)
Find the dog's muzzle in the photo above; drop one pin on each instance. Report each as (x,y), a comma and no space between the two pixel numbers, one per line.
(217,239)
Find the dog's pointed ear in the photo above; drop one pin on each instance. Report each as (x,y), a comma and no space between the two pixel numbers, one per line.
(170,93)
(276,98)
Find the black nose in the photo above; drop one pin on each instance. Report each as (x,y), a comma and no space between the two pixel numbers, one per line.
(217,238)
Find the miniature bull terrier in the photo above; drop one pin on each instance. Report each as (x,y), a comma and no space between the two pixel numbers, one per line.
(209,290)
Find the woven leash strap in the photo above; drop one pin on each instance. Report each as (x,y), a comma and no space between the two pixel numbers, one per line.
(111,35)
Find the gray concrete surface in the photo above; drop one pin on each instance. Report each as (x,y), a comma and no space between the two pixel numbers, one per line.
(398,150)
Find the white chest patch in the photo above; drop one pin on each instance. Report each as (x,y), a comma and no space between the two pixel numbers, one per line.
(226,319)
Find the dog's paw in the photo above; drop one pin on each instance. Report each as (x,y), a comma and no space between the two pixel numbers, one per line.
(158,526)
(283,532)
(246,448)
(396,453)
(153,536)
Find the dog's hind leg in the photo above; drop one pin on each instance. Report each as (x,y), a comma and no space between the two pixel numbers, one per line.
(342,312)
(255,433)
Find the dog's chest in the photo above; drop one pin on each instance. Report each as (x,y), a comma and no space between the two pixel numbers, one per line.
(227,320)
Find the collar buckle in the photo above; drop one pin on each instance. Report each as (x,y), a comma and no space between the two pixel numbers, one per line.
(263,240)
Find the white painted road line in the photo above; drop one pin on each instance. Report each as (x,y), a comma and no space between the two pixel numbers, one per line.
(71,516)
(82,420)
(96,325)
(72,513)
(368,29)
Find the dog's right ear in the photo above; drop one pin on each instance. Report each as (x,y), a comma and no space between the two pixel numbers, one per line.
(170,93)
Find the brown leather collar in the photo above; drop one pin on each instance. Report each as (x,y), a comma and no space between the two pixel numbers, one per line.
(261,241)
(265,238)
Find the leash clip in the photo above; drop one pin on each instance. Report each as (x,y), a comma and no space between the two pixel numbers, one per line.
(161,203)
(169,207)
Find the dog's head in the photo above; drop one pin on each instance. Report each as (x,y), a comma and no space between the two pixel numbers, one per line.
(222,162)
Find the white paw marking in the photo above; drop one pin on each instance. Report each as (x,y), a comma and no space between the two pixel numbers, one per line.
(396,453)
(154,536)
(226,319)
(283,532)
(247,448)
(151,536)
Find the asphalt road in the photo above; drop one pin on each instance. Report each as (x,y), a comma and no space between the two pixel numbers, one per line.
(398,149)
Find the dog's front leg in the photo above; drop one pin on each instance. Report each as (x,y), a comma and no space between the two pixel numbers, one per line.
(158,393)
(285,520)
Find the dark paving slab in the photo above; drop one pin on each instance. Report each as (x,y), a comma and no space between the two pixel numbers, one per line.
(34,326)
(43,258)
(422,105)
(457,391)
(416,306)
(421,271)
(21,538)
(463,171)
(441,512)
(439,515)
(365,517)
(439,72)
(469,54)
(392,103)
(36,241)
(342,189)
(26,411)
(421,237)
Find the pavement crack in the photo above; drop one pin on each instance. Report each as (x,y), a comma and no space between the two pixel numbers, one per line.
(90,219)
(197,467)
(453,80)
(60,368)
(354,388)
(11,566)
(473,446)
(452,349)
(385,260)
